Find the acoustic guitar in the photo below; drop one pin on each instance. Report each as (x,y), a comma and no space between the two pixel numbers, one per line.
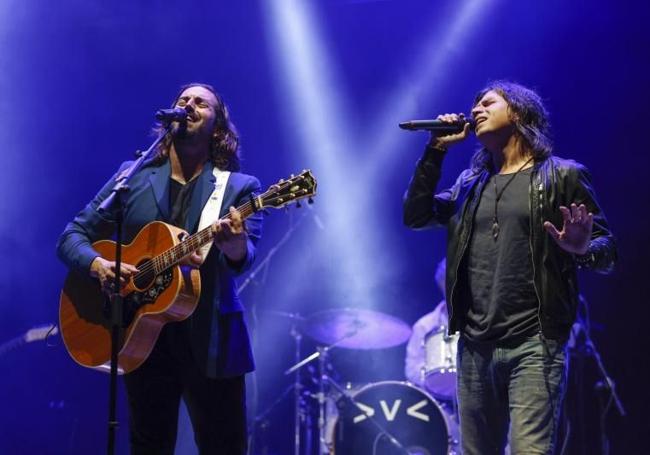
(161,291)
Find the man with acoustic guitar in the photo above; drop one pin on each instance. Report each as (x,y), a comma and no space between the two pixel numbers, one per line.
(204,357)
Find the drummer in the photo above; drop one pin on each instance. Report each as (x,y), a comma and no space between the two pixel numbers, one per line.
(415,354)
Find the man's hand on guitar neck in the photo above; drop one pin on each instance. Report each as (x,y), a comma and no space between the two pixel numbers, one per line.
(231,237)
(193,260)
(104,271)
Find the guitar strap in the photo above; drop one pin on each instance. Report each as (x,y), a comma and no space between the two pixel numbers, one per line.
(210,212)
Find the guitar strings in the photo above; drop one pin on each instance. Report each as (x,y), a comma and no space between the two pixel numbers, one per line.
(168,255)
(159,261)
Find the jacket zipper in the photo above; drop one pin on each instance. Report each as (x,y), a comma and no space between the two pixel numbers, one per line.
(531,189)
(464,247)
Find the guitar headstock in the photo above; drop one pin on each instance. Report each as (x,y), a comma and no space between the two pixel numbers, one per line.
(40,333)
(293,189)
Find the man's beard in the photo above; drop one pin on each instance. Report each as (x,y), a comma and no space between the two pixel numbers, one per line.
(185,136)
(180,130)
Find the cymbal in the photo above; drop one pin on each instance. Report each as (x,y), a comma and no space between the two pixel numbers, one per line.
(356,329)
(283,314)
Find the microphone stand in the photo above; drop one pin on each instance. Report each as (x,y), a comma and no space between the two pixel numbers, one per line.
(115,303)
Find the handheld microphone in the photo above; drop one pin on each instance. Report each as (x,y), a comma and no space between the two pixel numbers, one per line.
(437,125)
(177,114)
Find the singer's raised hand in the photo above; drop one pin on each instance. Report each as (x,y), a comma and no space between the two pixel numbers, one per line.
(443,142)
(577,225)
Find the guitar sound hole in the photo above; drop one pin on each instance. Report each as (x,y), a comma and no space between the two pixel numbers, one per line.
(152,285)
(145,277)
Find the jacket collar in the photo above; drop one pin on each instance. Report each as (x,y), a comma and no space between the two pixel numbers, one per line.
(202,191)
(159,180)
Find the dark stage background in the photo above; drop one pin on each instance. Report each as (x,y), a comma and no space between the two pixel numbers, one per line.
(320,85)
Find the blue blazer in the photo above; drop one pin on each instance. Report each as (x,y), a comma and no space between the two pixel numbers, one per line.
(218,334)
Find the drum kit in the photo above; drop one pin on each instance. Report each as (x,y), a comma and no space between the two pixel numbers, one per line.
(381,418)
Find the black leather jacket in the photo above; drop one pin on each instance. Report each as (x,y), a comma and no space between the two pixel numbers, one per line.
(554,182)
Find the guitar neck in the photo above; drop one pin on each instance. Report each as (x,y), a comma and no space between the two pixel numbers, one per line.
(195,241)
(279,195)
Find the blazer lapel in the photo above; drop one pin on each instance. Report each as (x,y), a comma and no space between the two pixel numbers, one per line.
(159,180)
(228,196)
(202,191)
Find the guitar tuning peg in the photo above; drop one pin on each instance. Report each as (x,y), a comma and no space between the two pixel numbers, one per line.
(310,200)
(298,204)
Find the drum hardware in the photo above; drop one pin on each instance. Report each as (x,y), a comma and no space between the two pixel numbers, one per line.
(302,418)
(297,389)
(321,354)
(605,387)
(351,329)
(262,421)
(303,425)
(371,419)
(261,269)
(325,445)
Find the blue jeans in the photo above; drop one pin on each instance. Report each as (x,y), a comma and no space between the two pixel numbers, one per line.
(516,388)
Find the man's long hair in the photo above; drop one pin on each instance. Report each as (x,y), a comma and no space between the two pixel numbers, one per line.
(530,120)
(224,149)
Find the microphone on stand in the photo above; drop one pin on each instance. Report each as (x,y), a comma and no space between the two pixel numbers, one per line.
(437,125)
(177,114)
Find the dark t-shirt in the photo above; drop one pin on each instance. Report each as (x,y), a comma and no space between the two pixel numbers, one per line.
(180,198)
(175,337)
(499,297)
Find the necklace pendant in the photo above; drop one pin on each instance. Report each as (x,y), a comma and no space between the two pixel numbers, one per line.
(495,230)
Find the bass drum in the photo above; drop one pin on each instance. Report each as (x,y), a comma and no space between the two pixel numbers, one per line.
(404,411)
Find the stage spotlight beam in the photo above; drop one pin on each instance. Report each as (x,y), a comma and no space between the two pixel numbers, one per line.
(429,71)
(317,105)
